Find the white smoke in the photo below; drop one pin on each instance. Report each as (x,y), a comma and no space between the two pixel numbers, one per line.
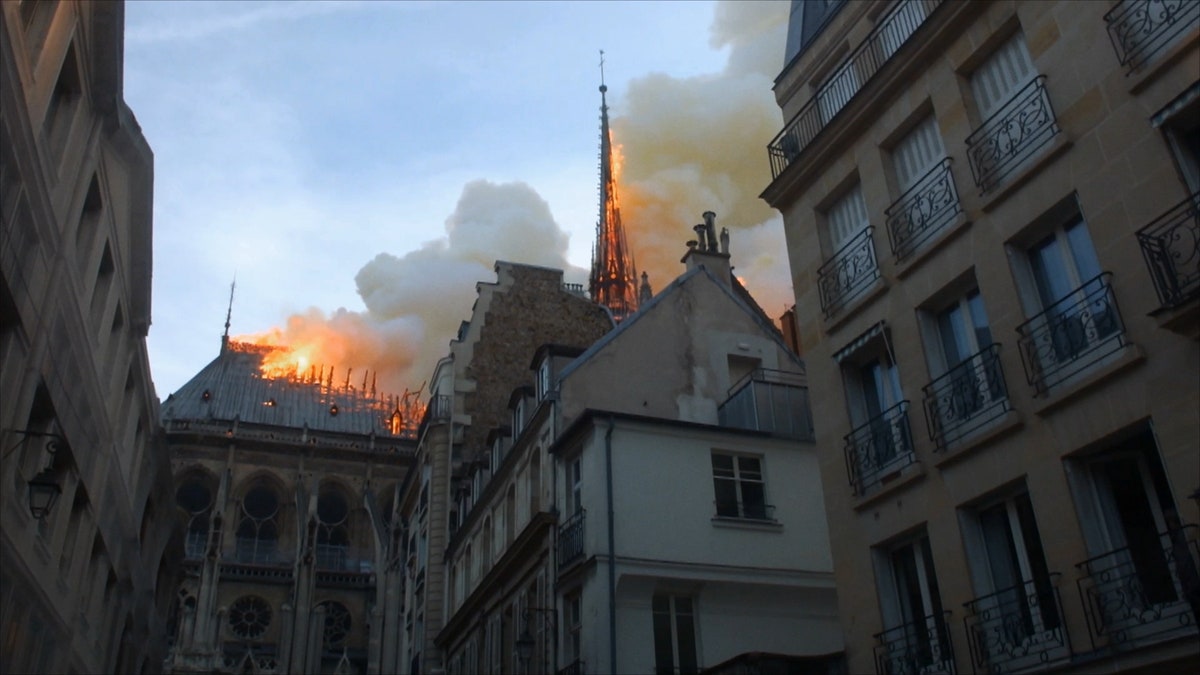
(689,145)
(698,144)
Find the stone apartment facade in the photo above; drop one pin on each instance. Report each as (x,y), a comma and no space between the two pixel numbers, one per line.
(525,307)
(991,218)
(86,587)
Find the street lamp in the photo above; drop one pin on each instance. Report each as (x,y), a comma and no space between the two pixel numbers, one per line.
(525,642)
(44,489)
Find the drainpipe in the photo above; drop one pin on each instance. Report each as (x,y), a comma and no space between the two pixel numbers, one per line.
(612,561)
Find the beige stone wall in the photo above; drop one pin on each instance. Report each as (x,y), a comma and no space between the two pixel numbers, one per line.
(87,588)
(1123,174)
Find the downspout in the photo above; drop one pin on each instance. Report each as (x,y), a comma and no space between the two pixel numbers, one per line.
(612,561)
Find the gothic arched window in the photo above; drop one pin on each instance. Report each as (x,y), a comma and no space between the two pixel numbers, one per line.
(337,626)
(195,498)
(258,530)
(333,537)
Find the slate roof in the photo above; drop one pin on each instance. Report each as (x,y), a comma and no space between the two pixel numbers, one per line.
(232,388)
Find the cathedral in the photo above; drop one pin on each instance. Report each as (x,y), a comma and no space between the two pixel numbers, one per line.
(287,486)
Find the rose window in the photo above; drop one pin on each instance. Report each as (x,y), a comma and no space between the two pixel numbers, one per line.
(249,617)
(337,625)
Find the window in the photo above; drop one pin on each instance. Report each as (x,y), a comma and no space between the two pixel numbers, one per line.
(518,417)
(1182,131)
(543,379)
(915,638)
(258,530)
(1014,619)
(1142,558)
(1000,77)
(847,218)
(1074,320)
(195,498)
(573,607)
(337,626)
(249,617)
(880,443)
(674,635)
(575,485)
(918,152)
(738,484)
(968,387)
(805,23)
(333,537)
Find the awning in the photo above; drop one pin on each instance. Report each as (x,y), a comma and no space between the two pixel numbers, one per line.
(860,342)
(1180,102)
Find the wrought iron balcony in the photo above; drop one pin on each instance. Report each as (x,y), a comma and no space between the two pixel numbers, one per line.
(1071,335)
(745,510)
(573,668)
(860,66)
(769,400)
(1171,246)
(850,272)
(570,540)
(1012,136)
(879,448)
(1145,592)
(966,398)
(1139,29)
(919,648)
(923,210)
(1018,628)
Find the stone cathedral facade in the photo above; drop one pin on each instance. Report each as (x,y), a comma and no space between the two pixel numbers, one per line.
(287,489)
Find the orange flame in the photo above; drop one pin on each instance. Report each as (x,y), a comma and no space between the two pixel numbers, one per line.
(309,358)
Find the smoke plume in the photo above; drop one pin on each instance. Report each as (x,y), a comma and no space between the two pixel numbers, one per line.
(699,143)
(689,145)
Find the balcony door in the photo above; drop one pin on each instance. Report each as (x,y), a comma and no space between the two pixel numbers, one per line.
(847,219)
(1000,77)
(915,639)
(1016,615)
(918,152)
(963,335)
(878,392)
(1141,555)
(1076,309)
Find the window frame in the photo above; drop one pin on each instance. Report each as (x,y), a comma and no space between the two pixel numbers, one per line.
(739,479)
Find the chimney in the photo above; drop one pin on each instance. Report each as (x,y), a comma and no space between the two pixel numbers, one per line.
(704,251)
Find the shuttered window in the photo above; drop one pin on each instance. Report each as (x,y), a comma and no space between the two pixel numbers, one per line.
(917,152)
(1006,71)
(847,217)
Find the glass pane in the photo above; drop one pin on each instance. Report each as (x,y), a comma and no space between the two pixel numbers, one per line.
(983,333)
(726,497)
(722,465)
(750,467)
(1082,251)
(664,655)
(953,336)
(1049,271)
(685,624)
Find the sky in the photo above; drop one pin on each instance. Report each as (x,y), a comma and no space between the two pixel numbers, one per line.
(359,166)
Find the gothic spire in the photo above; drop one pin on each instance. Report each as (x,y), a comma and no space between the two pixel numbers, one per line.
(613,281)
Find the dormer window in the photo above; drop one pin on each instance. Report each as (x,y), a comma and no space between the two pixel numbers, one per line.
(543,380)
(518,417)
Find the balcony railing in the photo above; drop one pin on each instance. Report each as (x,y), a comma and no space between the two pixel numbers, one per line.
(860,66)
(1145,592)
(967,397)
(570,540)
(769,400)
(923,210)
(919,648)
(1012,136)
(253,551)
(745,510)
(1018,628)
(1171,246)
(342,558)
(1139,29)
(879,448)
(573,668)
(852,270)
(1072,334)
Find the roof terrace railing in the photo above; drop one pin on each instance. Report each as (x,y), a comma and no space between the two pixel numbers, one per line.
(860,66)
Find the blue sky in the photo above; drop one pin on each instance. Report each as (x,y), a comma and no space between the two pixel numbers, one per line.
(295,142)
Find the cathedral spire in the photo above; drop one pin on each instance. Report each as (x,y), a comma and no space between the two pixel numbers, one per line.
(613,281)
(228,315)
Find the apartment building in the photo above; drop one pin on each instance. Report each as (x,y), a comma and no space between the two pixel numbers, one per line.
(89,544)
(991,217)
(651,502)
